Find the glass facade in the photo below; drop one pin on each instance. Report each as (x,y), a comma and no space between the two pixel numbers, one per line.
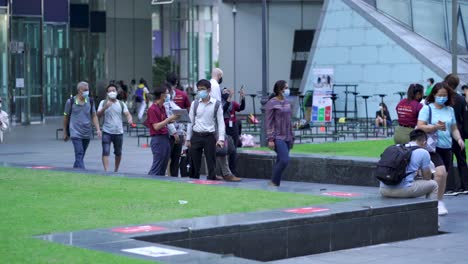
(4,58)
(431,19)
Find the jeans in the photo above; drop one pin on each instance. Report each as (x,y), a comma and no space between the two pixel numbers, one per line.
(116,139)
(282,159)
(80,145)
(161,149)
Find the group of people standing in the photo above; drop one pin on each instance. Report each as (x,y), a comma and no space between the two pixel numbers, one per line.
(437,124)
(213,130)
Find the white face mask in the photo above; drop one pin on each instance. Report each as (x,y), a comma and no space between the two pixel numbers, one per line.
(112,95)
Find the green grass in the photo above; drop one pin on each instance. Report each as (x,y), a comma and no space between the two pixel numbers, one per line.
(369,148)
(37,202)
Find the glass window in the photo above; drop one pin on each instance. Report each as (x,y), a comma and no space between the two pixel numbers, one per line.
(3,60)
(399,9)
(430,25)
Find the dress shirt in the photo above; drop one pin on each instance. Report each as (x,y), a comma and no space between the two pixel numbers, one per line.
(205,121)
(215,90)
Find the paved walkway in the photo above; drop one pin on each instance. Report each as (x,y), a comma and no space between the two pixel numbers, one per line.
(36,145)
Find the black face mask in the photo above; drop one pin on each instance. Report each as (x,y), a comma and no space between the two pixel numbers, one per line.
(225,96)
(220,80)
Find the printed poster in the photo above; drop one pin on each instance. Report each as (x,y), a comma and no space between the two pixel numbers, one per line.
(323,88)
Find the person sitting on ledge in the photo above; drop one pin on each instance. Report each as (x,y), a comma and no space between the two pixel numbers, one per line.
(418,182)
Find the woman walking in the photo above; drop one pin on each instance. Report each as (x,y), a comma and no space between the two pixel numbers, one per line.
(439,117)
(279,128)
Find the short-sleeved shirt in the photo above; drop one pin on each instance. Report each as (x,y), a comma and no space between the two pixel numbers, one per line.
(181,99)
(80,118)
(157,114)
(445,114)
(408,112)
(113,117)
(420,160)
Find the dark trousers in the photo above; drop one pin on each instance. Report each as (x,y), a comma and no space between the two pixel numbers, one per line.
(462,169)
(234,133)
(161,149)
(80,145)
(203,143)
(176,150)
(282,159)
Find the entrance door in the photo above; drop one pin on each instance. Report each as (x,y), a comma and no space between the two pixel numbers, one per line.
(26,70)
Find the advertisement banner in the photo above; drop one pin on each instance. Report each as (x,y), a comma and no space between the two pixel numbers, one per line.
(323,88)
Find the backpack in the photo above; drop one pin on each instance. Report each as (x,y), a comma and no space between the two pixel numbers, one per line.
(71,100)
(391,168)
(139,95)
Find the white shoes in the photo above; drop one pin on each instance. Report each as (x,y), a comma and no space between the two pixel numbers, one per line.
(442,209)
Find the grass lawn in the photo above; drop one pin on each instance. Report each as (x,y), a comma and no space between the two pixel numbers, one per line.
(369,148)
(37,202)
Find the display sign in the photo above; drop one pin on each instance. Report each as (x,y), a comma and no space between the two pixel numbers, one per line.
(323,88)
(306,210)
(138,229)
(154,251)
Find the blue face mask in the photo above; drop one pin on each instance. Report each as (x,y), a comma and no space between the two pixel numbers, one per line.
(286,92)
(86,94)
(202,94)
(441,100)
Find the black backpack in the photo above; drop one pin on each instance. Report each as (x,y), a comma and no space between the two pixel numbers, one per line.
(391,168)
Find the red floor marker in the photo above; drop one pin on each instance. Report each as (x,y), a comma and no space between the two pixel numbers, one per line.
(341,194)
(41,167)
(144,145)
(306,210)
(206,182)
(137,229)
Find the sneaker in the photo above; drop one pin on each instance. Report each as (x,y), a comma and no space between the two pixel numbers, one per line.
(464,192)
(232,178)
(441,208)
(450,193)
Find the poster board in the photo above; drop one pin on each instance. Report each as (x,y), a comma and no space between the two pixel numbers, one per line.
(323,89)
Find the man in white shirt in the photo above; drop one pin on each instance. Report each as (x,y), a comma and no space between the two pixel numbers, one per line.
(111,111)
(206,130)
(216,80)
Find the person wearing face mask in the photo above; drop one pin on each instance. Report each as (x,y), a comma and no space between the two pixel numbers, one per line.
(79,115)
(176,132)
(216,80)
(205,131)
(430,85)
(407,112)
(278,113)
(158,122)
(382,115)
(4,121)
(459,107)
(111,110)
(438,116)
(230,108)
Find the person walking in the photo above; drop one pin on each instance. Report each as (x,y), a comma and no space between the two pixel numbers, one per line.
(279,128)
(4,121)
(438,117)
(206,130)
(111,110)
(407,112)
(79,115)
(141,98)
(157,121)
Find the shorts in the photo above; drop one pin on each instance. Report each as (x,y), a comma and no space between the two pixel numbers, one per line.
(116,140)
(436,159)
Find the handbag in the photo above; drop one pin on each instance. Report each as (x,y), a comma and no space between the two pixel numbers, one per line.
(432,138)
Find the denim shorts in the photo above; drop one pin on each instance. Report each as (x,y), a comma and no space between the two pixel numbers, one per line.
(116,139)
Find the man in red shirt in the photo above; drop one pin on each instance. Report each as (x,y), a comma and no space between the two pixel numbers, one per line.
(157,122)
(179,97)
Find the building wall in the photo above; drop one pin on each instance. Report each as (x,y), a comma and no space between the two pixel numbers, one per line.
(284,18)
(361,54)
(129,40)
